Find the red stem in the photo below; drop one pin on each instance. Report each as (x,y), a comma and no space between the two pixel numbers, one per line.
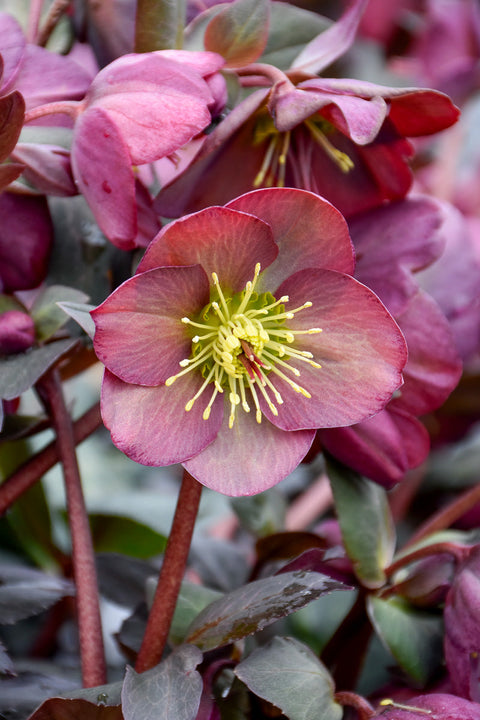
(34,20)
(83,559)
(457,551)
(364,710)
(448,515)
(32,470)
(171,574)
(62,107)
(55,12)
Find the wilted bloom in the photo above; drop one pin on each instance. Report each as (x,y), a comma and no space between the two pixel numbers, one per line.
(241,333)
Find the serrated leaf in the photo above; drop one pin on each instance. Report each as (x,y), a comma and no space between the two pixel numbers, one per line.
(368,530)
(290,676)
(252,607)
(159,24)
(81,314)
(239,32)
(414,637)
(25,592)
(46,314)
(20,372)
(169,691)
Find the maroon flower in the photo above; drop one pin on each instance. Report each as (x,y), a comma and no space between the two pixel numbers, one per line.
(241,333)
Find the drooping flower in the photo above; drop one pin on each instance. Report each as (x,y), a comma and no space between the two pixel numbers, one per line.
(343,139)
(241,333)
(386,446)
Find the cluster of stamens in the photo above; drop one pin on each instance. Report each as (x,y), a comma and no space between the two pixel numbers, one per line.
(242,347)
(273,169)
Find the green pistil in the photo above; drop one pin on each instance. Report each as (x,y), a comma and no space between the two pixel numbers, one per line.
(241,343)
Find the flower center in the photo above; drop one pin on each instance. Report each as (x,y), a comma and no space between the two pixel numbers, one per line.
(273,168)
(241,344)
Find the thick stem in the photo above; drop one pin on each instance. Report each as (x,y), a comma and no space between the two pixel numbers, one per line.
(448,515)
(171,574)
(33,469)
(85,575)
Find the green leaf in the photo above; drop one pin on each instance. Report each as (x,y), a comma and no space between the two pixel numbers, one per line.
(46,314)
(414,637)
(290,676)
(20,372)
(261,514)
(169,691)
(192,599)
(81,314)
(252,607)
(365,520)
(159,25)
(239,32)
(126,536)
(291,28)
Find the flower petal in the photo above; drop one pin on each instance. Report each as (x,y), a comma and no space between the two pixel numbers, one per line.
(383,447)
(309,231)
(361,350)
(221,240)
(139,335)
(150,425)
(102,169)
(249,457)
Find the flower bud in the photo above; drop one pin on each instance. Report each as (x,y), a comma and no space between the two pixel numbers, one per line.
(17,332)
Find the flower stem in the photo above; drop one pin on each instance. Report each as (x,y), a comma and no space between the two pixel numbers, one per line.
(346,698)
(87,600)
(33,20)
(32,470)
(448,515)
(63,107)
(55,12)
(171,574)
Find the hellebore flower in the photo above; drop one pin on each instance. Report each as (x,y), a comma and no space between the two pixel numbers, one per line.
(386,446)
(437,706)
(138,109)
(241,333)
(26,238)
(462,628)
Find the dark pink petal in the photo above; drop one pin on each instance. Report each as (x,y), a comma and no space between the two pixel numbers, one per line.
(150,424)
(157,104)
(357,118)
(361,350)
(437,706)
(221,240)
(387,255)
(199,61)
(12,43)
(26,237)
(148,224)
(45,77)
(12,112)
(308,230)
(434,366)
(47,168)
(102,169)
(383,447)
(139,335)
(249,457)
(333,42)
(224,168)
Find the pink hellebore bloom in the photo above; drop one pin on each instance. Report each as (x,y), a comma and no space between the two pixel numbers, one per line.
(138,109)
(241,333)
(341,138)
